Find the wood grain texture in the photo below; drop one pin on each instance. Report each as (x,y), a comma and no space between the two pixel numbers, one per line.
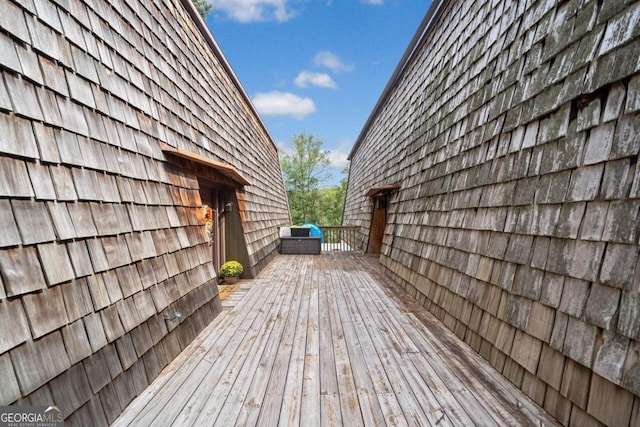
(328,340)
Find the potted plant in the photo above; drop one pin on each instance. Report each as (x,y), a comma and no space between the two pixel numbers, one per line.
(230,271)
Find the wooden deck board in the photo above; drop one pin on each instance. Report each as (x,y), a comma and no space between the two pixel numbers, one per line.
(350,411)
(245,409)
(328,340)
(473,371)
(466,389)
(157,396)
(271,405)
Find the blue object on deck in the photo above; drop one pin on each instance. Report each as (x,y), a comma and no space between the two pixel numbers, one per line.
(314,230)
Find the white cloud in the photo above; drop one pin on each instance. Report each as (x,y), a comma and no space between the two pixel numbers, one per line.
(378,2)
(306,78)
(332,62)
(254,10)
(338,158)
(283,104)
(339,154)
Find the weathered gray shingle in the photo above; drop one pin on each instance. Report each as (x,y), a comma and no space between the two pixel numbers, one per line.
(96,372)
(37,362)
(619,265)
(69,148)
(161,299)
(14,323)
(112,285)
(63,183)
(44,39)
(76,341)
(55,263)
(9,235)
(46,143)
(129,314)
(95,331)
(12,20)
(48,13)
(30,64)
(142,340)
(77,299)
(98,257)
(599,144)
(41,181)
(585,183)
(87,185)
(98,290)
(46,311)
(112,326)
(54,77)
(147,274)
(144,305)
(83,63)
(73,116)
(80,258)
(620,225)
(5,101)
(110,193)
(92,148)
(49,103)
(80,89)
(117,251)
(17,137)
(633,98)
(126,351)
(9,391)
(23,97)
(62,221)
(33,221)
(140,245)
(8,55)
(129,280)
(620,29)
(82,219)
(21,270)
(71,389)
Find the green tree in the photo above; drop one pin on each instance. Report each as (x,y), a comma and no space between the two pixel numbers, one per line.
(332,201)
(203,6)
(303,171)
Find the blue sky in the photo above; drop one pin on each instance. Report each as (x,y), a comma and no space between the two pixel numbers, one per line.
(315,66)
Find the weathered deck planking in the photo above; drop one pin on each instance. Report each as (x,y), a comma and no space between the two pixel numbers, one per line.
(329,340)
(269,410)
(245,409)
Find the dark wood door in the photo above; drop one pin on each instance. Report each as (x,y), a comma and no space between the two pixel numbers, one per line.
(378,224)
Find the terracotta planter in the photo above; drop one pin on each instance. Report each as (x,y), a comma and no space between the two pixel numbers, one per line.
(230,280)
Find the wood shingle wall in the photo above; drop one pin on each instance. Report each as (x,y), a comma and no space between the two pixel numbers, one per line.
(102,236)
(514,131)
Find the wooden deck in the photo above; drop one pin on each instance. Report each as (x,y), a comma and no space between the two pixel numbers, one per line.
(325,341)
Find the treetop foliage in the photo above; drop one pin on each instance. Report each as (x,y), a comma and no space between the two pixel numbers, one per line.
(203,6)
(304,170)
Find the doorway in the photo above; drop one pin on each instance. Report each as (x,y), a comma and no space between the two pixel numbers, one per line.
(211,196)
(378,224)
(226,235)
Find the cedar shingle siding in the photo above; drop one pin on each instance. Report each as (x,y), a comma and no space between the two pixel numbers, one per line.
(102,232)
(514,130)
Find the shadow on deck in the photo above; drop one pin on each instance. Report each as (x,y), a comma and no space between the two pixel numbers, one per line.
(329,340)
